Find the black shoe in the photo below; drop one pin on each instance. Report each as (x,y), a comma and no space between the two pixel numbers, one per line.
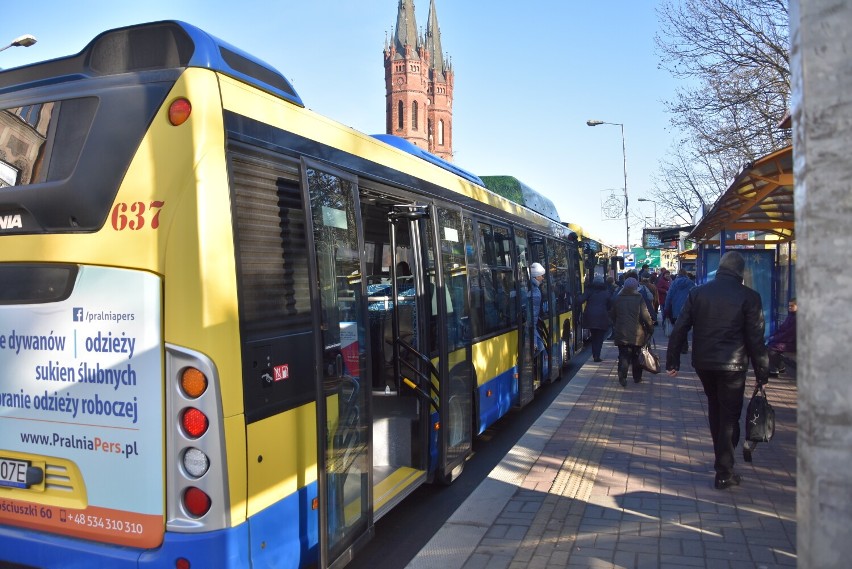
(773,373)
(598,360)
(635,380)
(622,380)
(725,483)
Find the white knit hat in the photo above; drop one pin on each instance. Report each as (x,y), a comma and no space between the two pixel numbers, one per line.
(536,270)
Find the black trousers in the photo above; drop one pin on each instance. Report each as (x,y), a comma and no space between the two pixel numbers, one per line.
(628,356)
(724,391)
(597,342)
(776,363)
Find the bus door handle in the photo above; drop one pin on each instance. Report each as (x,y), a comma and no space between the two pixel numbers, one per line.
(338,365)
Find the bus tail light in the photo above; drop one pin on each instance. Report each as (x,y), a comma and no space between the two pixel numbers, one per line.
(193,382)
(179,111)
(197,497)
(194,422)
(195,462)
(196,502)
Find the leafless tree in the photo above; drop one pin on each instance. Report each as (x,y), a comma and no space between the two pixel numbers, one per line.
(733,56)
(688,178)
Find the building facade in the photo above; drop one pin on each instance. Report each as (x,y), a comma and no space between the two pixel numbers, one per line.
(419,83)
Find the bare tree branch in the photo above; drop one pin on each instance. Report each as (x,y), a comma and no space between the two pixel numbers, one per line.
(733,56)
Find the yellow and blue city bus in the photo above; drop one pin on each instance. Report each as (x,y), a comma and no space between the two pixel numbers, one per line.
(234,332)
(565,265)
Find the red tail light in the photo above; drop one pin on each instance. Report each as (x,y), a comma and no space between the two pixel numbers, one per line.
(196,502)
(194,422)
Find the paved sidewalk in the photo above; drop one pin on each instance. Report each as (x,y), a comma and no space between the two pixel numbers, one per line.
(613,477)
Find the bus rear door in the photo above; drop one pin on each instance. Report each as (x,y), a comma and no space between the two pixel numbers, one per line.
(452,337)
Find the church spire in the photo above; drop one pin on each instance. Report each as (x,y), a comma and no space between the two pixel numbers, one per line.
(406,31)
(433,44)
(419,84)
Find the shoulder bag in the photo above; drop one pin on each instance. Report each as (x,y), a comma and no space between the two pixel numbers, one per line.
(648,359)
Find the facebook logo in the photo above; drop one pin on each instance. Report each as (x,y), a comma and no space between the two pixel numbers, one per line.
(78,313)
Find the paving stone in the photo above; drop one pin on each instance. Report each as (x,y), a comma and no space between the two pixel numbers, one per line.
(681,561)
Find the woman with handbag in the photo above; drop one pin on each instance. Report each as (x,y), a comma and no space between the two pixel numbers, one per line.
(632,325)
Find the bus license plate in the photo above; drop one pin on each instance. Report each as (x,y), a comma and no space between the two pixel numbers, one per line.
(13,473)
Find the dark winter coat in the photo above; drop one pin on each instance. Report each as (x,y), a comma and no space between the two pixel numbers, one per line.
(598,300)
(727,321)
(784,338)
(631,321)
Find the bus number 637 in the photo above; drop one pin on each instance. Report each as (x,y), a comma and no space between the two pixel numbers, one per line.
(132,216)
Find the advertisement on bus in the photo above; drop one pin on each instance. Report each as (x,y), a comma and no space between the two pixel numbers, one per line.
(81,410)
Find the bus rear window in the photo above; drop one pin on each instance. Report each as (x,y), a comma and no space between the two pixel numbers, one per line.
(42,142)
(36,284)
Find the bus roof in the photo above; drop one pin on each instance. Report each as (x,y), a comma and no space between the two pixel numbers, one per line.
(413,149)
(513,189)
(147,47)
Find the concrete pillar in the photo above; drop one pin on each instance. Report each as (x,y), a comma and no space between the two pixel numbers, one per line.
(821,43)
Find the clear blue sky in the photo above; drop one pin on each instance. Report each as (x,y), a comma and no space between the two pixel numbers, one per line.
(528,76)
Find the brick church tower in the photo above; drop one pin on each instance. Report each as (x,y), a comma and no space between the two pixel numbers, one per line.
(419,84)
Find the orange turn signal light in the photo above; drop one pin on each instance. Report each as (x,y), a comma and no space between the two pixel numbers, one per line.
(193,382)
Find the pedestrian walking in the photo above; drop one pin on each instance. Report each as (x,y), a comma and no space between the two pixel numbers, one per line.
(632,325)
(643,290)
(727,322)
(675,299)
(663,283)
(598,300)
(648,283)
(610,285)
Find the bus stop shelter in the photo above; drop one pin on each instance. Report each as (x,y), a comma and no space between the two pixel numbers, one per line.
(755,215)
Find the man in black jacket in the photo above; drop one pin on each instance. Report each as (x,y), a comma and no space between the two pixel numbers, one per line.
(727,318)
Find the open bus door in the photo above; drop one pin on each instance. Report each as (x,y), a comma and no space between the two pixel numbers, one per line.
(423,359)
(547,324)
(453,336)
(344,475)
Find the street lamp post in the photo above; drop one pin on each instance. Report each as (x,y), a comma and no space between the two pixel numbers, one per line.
(655,208)
(624,155)
(25,40)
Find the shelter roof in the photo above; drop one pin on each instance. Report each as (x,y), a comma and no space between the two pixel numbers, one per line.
(760,199)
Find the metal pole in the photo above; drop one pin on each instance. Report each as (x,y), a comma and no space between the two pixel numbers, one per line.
(626,215)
